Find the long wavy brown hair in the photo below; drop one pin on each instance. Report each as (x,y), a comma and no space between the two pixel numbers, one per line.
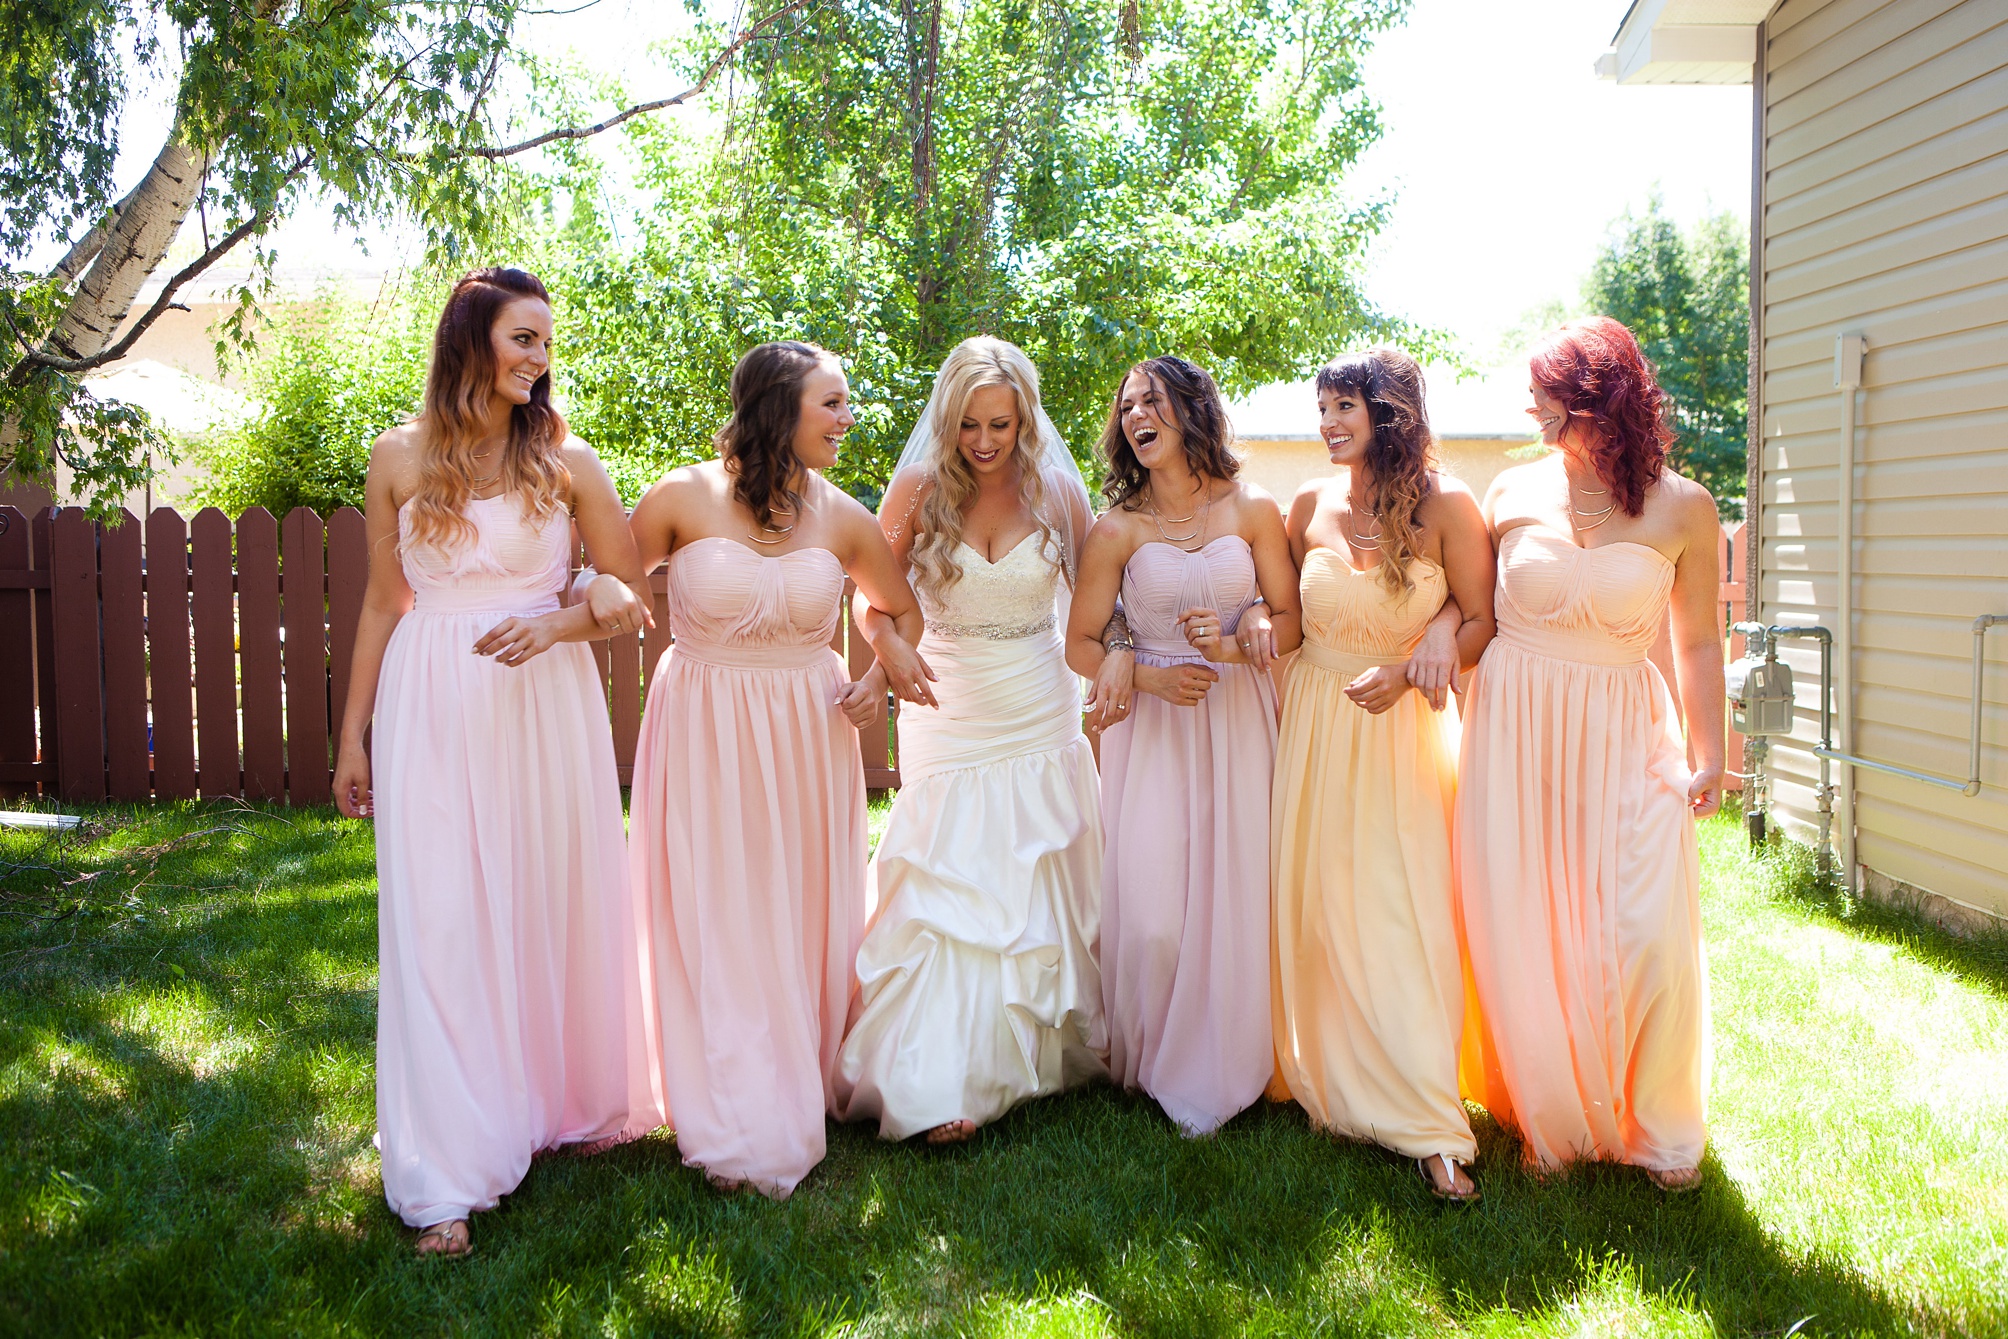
(1595,368)
(757,443)
(1201,416)
(1400,456)
(458,387)
(969,367)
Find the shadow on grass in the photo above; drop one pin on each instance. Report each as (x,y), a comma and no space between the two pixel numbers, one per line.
(188,1151)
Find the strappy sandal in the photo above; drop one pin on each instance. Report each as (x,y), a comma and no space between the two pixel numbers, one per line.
(1676,1181)
(443,1232)
(1452,1195)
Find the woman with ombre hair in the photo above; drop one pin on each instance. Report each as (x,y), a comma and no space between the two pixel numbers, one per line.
(1369,984)
(1577,871)
(509,992)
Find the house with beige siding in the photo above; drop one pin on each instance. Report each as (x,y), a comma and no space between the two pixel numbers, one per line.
(1879,375)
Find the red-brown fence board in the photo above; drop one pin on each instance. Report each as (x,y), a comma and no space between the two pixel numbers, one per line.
(624,706)
(875,740)
(40,528)
(214,608)
(167,654)
(258,665)
(304,578)
(80,737)
(128,764)
(18,766)
(348,579)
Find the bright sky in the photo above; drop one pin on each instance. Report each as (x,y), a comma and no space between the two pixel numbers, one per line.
(1507,156)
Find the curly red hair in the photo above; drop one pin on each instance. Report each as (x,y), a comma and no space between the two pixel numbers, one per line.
(1594,367)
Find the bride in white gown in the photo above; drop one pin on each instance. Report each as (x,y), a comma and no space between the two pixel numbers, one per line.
(977,980)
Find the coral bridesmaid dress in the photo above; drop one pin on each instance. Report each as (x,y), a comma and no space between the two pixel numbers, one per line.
(1577,871)
(509,986)
(1369,998)
(1185,886)
(748,837)
(977,984)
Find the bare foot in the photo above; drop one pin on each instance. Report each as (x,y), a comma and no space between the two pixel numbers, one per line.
(1447,1180)
(952,1132)
(1676,1180)
(447,1241)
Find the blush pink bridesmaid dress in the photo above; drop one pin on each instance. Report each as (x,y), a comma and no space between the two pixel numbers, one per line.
(748,838)
(1185,884)
(509,987)
(1576,865)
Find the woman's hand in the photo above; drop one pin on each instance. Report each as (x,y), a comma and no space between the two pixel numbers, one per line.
(352,783)
(862,701)
(904,669)
(1109,699)
(1182,685)
(1704,793)
(615,607)
(1379,688)
(1201,627)
(514,641)
(1255,636)
(1433,667)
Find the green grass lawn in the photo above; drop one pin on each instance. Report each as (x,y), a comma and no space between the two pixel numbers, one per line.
(186,1022)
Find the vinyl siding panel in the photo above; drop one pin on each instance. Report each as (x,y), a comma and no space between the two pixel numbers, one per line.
(1885,212)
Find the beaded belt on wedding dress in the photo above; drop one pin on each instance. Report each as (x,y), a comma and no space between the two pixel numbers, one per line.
(990,631)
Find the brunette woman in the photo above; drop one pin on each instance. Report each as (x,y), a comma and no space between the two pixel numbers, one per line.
(1186,770)
(509,995)
(1575,827)
(748,817)
(1369,984)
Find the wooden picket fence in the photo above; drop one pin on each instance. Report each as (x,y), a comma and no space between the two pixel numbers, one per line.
(177,659)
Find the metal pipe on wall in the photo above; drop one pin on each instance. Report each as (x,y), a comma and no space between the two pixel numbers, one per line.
(1849,351)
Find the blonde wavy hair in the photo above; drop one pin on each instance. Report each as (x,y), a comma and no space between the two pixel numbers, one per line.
(937,528)
(457,389)
(1400,456)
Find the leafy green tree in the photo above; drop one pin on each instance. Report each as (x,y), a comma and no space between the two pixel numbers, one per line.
(1097,184)
(382,106)
(1687,298)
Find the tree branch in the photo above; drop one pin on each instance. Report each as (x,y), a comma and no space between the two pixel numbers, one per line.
(87,247)
(711,72)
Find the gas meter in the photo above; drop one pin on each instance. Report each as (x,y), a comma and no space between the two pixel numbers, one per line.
(1760,696)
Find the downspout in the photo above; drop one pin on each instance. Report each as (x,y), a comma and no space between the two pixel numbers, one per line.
(1849,350)
(1756,751)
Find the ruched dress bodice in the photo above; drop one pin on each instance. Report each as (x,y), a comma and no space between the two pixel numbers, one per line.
(509,994)
(1578,877)
(977,983)
(1369,990)
(747,833)
(1185,886)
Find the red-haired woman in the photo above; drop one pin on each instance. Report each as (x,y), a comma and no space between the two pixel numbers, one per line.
(1369,982)
(1185,777)
(749,793)
(1578,877)
(509,993)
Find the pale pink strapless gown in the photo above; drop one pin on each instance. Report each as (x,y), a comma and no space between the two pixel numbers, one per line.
(509,984)
(1578,877)
(748,835)
(1185,885)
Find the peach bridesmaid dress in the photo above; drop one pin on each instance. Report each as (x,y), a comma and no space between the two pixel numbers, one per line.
(509,984)
(1577,871)
(748,836)
(1369,986)
(1185,884)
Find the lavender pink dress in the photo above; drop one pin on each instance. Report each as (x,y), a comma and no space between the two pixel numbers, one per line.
(509,986)
(748,836)
(1185,887)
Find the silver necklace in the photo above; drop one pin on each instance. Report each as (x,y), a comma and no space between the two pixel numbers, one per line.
(1597,518)
(781,533)
(1201,512)
(1365,541)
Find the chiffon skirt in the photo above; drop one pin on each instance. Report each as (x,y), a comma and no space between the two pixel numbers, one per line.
(509,988)
(977,984)
(1369,990)
(1185,898)
(748,836)
(1579,886)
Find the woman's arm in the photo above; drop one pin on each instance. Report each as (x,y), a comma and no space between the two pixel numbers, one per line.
(386,599)
(1470,567)
(1276,576)
(1697,644)
(868,558)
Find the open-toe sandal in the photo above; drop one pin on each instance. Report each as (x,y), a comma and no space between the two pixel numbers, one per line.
(1453,1195)
(443,1233)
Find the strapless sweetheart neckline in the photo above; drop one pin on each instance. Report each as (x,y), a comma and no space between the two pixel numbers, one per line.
(1006,557)
(1585,548)
(1217,539)
(747,548)
(1347,563)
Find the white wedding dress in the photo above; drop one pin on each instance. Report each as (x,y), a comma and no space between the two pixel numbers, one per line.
(978,985)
